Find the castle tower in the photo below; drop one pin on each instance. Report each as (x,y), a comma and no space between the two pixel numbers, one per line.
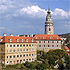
(49,23)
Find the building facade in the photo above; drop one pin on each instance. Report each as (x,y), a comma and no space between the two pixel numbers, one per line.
(15,50)
(46,42)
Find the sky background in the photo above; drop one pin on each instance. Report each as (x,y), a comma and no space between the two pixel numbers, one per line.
(29,16)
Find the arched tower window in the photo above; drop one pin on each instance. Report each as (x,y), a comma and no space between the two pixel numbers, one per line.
(49,29)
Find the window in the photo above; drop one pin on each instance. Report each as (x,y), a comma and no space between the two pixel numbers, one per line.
(56,37)
(32,54)
(13,50)
(49,37)
(29,49)
(35,37)
(23,49)
(26,49)
(22,40)
(10,50)
(39,45)
(52,41)
(26,59)
(7,56)
(7,45)
(23,59)
(42,37)
(10,40)
(10,61)
(32,58)
(20,45)
(13,45)
(23,55)
(10,56)
(23,45)
(10,45)
(26,54)
(20,55)
(17,45)
(39,41)
(48,41)
(32,40)
(57,41)
(32,44)
(14,56)
(7,50)
(52,45)
(27,45)
(29,54)
(26,40)
(17,55)
(17,60)
(49,29)
(44,41)
(17,50)
(29,59)
(17,40)
(57,45)
(48,45)
(20,60)
(7,61)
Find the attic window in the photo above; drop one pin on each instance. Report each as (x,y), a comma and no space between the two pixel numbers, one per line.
(0,40)
(56,37)
(42,37)
(17,40)
(22,40)
(49,37)
(35,37)
(26,40)
(32,40)
(10,40)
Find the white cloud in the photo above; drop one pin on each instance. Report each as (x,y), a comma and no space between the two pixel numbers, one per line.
(32,11)
(2,27)
(60,13)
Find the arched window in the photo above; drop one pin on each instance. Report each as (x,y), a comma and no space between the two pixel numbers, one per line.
(49,29)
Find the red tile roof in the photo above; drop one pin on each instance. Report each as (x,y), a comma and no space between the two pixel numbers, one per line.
(66,48)
(46,37)
(6,39)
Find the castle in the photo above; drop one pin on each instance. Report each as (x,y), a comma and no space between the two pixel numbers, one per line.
(19,49)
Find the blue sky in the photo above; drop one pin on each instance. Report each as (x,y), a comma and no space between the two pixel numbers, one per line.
(28,16)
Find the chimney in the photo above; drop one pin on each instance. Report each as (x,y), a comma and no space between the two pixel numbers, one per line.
(4,34)
(11,34)
(18,35)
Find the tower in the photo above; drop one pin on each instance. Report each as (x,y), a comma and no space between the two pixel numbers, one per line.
(49,23)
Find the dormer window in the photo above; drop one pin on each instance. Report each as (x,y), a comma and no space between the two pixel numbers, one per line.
(56,37)
(22,40)
(17,40)
(35,37)
(49,37)
(32,40)
(42,37)
(26,40)
(0,40)
(10,40)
